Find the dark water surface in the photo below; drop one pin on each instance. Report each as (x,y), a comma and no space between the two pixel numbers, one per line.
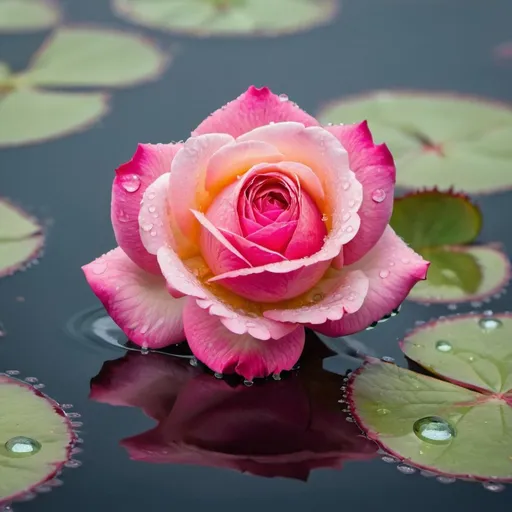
(418,44)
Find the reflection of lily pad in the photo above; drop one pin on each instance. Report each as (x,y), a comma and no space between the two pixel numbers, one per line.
(460,428)
(435,224)
(227,17)
(71,57)
(35,438)
(27,15)
(21,239)
(437,139)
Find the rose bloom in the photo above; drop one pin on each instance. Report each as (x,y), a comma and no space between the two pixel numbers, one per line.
(287,429)
(261,224)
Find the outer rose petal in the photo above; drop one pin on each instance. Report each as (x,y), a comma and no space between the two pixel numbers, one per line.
(375,170)
(256,107)
(393,269)
(330,299)
(137,301)
(225,352)
(180,278)
(132,179)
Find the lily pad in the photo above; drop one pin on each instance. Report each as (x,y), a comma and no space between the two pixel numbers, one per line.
(35,438)
(460,426)
(228,17)
(71,58)
(27,15)
(435,224)
(438,140)
(21,238)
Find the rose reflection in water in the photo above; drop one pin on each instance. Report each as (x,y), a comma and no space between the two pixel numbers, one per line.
(279,428)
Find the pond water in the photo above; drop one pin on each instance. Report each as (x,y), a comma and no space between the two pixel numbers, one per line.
(374,44)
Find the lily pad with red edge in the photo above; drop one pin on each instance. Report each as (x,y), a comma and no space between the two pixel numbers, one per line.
(36,438)
(72,57)
(205,18)
(21,238)
(460,426)
(27,15)
(437,225)
(437,139)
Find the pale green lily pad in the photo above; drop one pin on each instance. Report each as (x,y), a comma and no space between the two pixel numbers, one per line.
(27,15)
(438,140)
(31,115)
(21,238)
(471,350)
(433,424)
(462,274)
(227,17)
(88,57)
(30,415)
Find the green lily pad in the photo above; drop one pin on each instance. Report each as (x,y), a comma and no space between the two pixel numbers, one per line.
(462,274)
(88,57)
(470,350)
(433,424)
(21,238)
(27,15)
(432,218)
(227,17)
(31,115)
(438,140)
(35,439)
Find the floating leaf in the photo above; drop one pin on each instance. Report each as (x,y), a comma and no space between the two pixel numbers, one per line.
(30,115)
(437,139)
(432,218)
(433,424)
(227,17)
(462,274)
(27,15)
(35,438)
(78,57)
(21,239)
(470,350)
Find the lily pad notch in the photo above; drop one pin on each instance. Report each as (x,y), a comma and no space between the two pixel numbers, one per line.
(457,425)
(33,106)
(21,238)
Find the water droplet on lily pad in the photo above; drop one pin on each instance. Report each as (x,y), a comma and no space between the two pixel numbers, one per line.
(433,429)
(444,346)
(489,323)
(21,446)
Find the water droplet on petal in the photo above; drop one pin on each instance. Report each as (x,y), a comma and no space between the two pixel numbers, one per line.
(384,273)
(21,446)
(349,229)
(130,182)
(318,297)
(389,459)
(152,209)
(98,267)
(489,323)
(349,419)
(276,376)
(493,487)
(378,195)
(324,217)
(248,383)
(153,233)
(144,350)
(346,185)
(283,97)
(217,375)
(351,203)
(405,469)
(193,362)
(346,217)
(147,227)
(443,346)
(433,429)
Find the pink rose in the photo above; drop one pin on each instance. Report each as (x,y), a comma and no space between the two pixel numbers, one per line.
(261,223)
(287,429)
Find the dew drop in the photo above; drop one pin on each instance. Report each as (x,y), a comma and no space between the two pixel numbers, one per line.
(351,203)
(130,182)
(405,469)
(248,383)
(452,307)
(276,376)
(99,268)
(384,273)
(324,217)
(489,323)
(217,375)
(318,297)
(433,429)
(346,185)
(381,411)
(378,195)
(346,216)
(493,486)
(387,359)
(21,446)
(147,227)
(144,351)
(446,479)
(152,209)
(443,346)
(153,233)
(349,229)
(193,362)
(73,463)
(389,460)
(349,419)
(283,97)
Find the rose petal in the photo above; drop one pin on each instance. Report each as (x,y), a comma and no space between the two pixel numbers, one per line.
(226,352)
(375,170)
(393,269)
(274,237)
(330,299)
(187,188)
(227,306)
(256,107)
(137,301)
(132,179)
